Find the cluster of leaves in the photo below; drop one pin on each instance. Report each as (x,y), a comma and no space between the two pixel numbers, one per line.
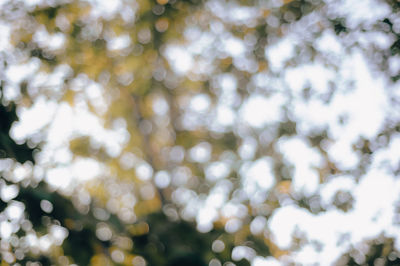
(117,65)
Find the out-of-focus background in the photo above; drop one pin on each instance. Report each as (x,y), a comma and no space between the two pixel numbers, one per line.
(171,132)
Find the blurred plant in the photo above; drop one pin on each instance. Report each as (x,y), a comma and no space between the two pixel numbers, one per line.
(173,132)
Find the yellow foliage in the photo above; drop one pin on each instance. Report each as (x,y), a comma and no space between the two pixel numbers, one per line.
(139,229)
(285,2)
(266,12)
(275,250)
(284,186)
(100,260)
(162,2)
(69,97)
(81,146)
(145,5)
(146,207)
(3,263)
(97,190)
(242,234)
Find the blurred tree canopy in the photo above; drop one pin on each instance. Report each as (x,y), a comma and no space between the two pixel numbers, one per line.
(176,132)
